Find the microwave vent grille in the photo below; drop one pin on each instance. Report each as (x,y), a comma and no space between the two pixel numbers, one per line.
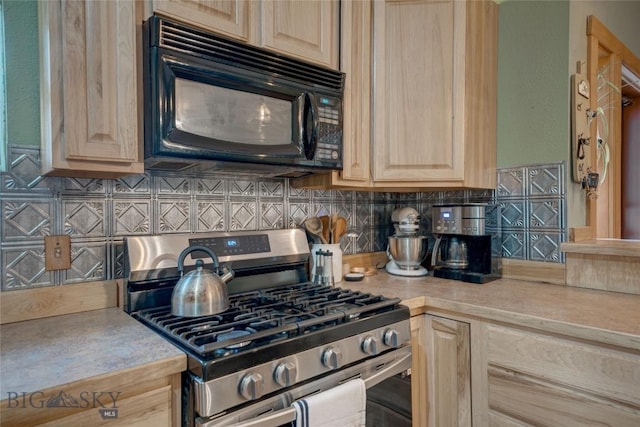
(194,41)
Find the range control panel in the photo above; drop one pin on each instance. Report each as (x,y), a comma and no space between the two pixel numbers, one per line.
(232,245)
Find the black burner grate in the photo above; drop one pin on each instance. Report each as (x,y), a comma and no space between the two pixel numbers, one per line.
(260,318)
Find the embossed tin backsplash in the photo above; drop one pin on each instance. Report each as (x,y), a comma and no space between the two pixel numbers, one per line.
(97,214)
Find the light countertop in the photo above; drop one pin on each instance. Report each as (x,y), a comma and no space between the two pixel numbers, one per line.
(607,317)
(39,354)
(49,352)
(611,247)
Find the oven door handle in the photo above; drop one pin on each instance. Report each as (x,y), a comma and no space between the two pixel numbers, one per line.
(288,415)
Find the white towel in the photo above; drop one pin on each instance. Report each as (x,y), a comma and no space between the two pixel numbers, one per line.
(341,406)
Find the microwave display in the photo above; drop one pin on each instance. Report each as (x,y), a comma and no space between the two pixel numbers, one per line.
(231,115)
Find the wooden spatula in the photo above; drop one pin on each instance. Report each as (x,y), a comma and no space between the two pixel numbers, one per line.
(326,228)
(339,229)
(332,224)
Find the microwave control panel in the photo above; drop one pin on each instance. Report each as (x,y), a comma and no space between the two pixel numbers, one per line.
(329,129)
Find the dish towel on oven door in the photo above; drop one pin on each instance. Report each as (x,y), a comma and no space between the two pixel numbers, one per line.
(341,406)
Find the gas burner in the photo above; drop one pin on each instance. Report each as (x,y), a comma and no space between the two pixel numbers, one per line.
(230,334)
(342,307)
(205,326)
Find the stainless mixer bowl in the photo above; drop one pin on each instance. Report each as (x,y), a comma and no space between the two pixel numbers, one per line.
(408,252)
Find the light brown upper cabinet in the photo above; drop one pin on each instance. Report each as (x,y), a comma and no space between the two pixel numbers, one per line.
(431,68)
(232,18)
(305,29)
(88,86)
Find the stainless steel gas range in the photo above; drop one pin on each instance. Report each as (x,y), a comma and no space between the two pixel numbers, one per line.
(282,338)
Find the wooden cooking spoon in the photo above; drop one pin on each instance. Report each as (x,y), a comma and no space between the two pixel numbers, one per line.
(313,225)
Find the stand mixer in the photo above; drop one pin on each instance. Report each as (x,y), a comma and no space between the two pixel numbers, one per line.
(406,250)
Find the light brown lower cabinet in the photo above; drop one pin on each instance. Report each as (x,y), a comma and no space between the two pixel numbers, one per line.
(118,400)
(444,357)
(468,371)
(529,377)
(152,408)
(419,404)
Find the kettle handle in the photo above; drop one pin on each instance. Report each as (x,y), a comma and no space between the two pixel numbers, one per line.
(190,249)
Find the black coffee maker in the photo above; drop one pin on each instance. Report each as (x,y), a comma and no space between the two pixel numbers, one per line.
(468,242)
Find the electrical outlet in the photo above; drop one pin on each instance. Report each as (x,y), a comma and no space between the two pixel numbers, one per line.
(57,253)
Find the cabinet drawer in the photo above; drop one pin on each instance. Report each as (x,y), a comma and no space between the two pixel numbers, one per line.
(599,371)
(525,399)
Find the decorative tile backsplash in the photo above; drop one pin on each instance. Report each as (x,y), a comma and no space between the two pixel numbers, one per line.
(533,202)
(98,214)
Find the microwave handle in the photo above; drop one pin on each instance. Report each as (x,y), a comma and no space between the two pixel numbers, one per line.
(309,137)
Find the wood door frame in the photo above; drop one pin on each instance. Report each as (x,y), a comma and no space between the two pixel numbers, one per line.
(604,46)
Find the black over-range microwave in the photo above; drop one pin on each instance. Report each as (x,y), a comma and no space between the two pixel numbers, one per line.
(217,104)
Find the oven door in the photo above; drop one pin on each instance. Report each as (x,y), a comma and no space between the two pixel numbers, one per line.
(389,402)
(276,410)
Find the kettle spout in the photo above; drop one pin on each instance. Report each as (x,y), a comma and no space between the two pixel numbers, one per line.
(227,274)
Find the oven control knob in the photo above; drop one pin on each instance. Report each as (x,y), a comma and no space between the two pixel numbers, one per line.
(370,345)
(332,358)
(251,386)
(391,338)
(285,374)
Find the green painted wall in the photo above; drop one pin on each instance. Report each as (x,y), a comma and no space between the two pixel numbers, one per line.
(22,76)
(533,83)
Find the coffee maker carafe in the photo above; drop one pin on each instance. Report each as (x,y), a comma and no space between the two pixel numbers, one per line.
(457,253)
(468,242)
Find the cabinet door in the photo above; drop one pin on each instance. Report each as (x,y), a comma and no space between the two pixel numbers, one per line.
(419,408)
(418,90)
(306,29)
(230,17)
(356,63)
(448,371)
(89,87)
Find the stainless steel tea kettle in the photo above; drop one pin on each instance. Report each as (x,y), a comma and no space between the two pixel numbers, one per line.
(200,292)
